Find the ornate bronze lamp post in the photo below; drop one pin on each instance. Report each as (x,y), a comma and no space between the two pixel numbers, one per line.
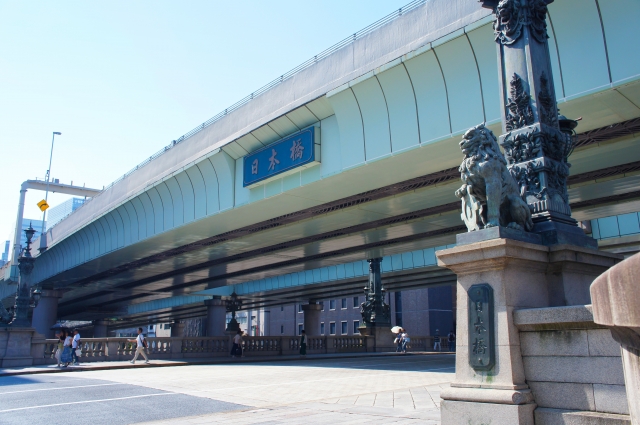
(536,141)
(25,299)
(233,305)
(375,313)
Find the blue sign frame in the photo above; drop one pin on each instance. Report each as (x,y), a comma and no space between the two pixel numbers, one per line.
(289,153)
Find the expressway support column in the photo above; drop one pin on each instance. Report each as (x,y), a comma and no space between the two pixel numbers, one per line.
(100,328)
(45,314)
(177,330)
(312,318)
(216,317)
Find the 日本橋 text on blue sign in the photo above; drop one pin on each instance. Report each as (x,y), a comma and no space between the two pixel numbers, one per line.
(287,154)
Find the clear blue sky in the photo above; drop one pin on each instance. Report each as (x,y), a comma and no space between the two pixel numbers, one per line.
(120,80)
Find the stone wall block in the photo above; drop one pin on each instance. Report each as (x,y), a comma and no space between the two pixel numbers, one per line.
(597,370)
(561,395)
(465,413)
(602,344)
(611,399)
(555,343)
(548,416)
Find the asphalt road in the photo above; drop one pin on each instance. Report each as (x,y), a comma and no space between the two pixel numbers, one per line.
(54,399)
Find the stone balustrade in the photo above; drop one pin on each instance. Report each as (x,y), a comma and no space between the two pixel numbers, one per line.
(106,349)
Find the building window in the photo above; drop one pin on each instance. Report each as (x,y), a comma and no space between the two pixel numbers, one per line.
(299,308)
(356,327)
(332,305)
(300,328)
(343,328)
(167,325)
(281,308)
(281,329)
(344,303)
(322,304)
(356,302)
(321,328)
(332,328)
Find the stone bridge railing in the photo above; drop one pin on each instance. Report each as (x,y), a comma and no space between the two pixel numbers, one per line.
(113,349)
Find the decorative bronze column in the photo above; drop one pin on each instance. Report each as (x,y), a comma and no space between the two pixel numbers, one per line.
(233,305)
(536,142)
(23,292)
(374,310)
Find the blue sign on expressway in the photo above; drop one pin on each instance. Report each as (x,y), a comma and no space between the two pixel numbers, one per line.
(287,154)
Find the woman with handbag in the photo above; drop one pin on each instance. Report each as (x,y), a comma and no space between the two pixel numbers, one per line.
(66,350)
(59,346)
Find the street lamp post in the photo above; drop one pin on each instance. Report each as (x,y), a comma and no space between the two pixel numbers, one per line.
(25,299)
(43,236)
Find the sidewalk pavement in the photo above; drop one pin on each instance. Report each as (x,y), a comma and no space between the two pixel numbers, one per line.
(88,366)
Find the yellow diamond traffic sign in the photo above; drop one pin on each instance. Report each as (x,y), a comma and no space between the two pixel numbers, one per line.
(43,205)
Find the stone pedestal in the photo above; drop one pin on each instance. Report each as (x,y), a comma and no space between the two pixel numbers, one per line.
(521,275)
(100,328)
(177,330)
(382,337)
(15,346)
(312,318)
(45,314)
(216,317)
(616,304)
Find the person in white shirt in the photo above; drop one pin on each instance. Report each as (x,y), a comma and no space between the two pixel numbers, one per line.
(140,346)
(236,349)
(75,344)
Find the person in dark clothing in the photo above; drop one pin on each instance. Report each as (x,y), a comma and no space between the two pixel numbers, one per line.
(303,344)
(452,341)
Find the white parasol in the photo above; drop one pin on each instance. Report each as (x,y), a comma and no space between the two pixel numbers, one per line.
(396,329)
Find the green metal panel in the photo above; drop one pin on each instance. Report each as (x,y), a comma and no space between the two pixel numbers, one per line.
(224,166)
(177,199)
(377,140)
(463,83)
(126,223)
(302,117)
(188,197)
(158,210)
(211,186)
(273,188)
(330,152)
(484,49)
(241,193)
(582,54)
(401,104)
(431,96)
(142,218)
(167,205)
(620,20)
(351,131)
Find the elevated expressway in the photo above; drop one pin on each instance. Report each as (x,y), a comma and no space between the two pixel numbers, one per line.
(390,107)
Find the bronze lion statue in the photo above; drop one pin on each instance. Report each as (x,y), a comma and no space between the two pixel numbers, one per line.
(489,194)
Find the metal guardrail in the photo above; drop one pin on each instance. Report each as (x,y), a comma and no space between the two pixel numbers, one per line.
(322,55)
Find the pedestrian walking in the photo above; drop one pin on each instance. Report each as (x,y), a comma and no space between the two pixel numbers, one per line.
(436,341)
(236,349)
(59,346)
(66,358)
(405,340)
(75,346)
(303,344)
(141,344)
(452,341)
(398,340)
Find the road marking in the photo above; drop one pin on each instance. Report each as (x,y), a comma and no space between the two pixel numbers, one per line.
(84,402)
(60,388)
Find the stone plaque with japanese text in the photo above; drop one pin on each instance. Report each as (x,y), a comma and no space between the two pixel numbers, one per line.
(481,331)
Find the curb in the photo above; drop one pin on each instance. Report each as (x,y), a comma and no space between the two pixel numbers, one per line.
(213,361)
